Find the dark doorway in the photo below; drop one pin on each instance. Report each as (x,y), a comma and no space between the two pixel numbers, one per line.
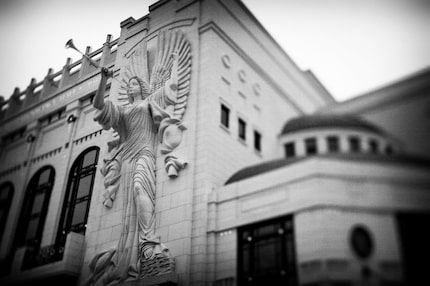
(414,234)
(267,253)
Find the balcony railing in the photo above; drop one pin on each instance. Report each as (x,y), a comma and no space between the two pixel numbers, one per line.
(29,264)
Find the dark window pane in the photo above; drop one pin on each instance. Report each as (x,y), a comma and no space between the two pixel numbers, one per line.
(389,150)
(332,144)
(288,225)
(65,218)
(245,235)
(257,141)
(84,186)
(354,144)
(268,256)
(374,146)
(38,203)
(44,177)
(267,229)
(225,114)
(246,258)
(289,248)
(35,207)
(242,129)
(290,150)
(311,146)
(79,213)
(89,158)
(32,228)
(70,190)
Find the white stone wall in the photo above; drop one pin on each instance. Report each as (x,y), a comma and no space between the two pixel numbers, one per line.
(323,245)
(327,197)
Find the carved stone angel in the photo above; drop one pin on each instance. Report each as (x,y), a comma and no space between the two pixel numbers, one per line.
(150,111)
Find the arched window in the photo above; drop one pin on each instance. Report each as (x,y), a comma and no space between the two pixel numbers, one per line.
(78,194)
(6,195)
(35,207)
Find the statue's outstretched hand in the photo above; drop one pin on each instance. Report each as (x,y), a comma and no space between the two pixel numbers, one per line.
(106,73)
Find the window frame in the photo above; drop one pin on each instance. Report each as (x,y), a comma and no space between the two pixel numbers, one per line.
(76,173)
(311,142)
(290,149)
(258,138)
(374,146)
(354,143)
(33,189)
(225,116)
(241,129)
(5,204)
(333,144)
(283,236)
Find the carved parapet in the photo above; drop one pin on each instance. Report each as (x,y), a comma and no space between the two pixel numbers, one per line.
(15,102)
(2,107)
(31,95)
(49,85)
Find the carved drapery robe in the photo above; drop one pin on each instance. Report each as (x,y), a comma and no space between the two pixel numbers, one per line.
(131,173)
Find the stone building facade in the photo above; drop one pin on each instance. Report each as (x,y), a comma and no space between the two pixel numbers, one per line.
(244,90)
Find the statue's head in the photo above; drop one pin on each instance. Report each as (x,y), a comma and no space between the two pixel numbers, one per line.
(137,87)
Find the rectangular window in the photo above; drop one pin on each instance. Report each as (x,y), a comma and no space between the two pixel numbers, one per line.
(290,150)
(266,253)
(242,129)
(333,144)
(389,150)
(373,146)
(225,115)
(354,144)
(311,146)
(257,141)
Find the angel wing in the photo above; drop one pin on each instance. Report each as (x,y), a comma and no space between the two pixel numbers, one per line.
(136,66)
(170,42)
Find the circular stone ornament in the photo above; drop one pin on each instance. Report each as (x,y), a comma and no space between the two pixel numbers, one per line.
(361,242)
(226,61)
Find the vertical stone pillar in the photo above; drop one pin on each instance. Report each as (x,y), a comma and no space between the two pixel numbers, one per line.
(65,73)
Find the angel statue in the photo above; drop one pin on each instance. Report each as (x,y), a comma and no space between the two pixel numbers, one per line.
(150,112)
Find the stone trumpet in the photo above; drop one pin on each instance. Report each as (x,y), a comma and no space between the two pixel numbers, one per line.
(70,44)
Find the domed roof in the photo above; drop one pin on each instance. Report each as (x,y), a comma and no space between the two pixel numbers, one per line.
(328,120)
(265,167)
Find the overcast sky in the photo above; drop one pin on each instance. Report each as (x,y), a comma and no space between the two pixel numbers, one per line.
(352,46)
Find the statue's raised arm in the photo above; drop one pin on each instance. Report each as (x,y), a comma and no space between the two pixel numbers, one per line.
(98,101)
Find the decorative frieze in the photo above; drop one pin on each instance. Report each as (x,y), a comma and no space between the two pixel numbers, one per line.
(10,170)
(46,155)
(87,137)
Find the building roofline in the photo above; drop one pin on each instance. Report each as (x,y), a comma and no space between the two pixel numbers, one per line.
(395,90)
(265,167)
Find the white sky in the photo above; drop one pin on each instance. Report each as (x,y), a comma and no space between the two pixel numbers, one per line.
(352,46)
